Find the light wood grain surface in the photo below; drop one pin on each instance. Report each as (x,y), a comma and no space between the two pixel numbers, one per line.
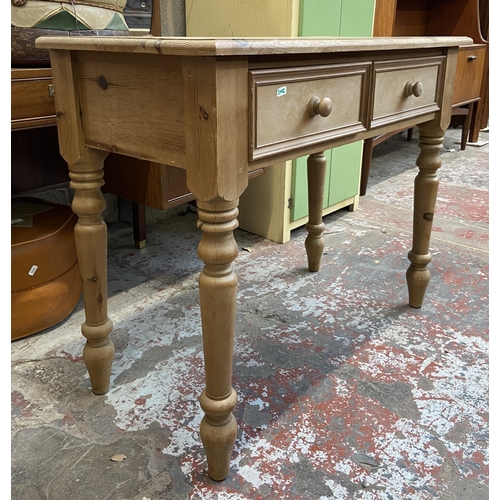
(189,106)
(193,46)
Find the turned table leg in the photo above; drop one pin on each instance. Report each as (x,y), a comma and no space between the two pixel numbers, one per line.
(218,286)
(315,243)
(91,246)
(426,188)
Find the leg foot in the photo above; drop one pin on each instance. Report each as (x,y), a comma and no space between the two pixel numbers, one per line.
(98,354)
(417,278)
(218,431)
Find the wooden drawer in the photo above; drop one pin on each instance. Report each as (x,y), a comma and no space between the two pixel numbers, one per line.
(281,114)
(31,104)
(470,67)
(392,95)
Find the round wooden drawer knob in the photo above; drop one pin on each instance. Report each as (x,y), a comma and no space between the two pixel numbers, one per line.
(415,89)
(319,106)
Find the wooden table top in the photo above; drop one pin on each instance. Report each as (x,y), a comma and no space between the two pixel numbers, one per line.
(196,46)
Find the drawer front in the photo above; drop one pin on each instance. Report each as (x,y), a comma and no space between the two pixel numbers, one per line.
(407,88)
(470,68)
(292,108)
(31,104)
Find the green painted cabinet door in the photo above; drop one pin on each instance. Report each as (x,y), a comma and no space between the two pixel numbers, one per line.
(332,18)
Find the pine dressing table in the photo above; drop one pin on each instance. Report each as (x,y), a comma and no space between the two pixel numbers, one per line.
(218,108)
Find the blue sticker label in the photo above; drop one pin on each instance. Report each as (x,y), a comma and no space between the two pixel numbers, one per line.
(281,91)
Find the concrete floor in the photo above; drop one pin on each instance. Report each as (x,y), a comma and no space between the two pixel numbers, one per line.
(344,391)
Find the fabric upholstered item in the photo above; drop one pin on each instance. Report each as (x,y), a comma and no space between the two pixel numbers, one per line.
(35,18)
(67,15)
(45,278)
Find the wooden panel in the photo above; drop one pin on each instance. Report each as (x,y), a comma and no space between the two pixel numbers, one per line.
(460,17)
(136,180)
(470,67)
(177,190)
(411,18)
(216,103)
(127,88)
(483,109)
(385,16)
(31,105)
(149,183)
(280,119)
(484,19)
(391,78)
(35,161)
(432,18)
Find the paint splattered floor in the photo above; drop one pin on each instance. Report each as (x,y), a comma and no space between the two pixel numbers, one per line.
(344,391)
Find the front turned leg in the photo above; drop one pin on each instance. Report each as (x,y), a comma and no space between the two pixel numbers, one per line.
(91,246)
(425,195)
(218,286)
(315,243)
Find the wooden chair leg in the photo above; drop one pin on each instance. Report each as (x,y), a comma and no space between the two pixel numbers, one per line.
(365,165)
(139,224)
(466,126)
(475,121)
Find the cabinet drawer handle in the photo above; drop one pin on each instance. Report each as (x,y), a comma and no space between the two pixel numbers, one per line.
(471,58)
(319,106)
(415,89)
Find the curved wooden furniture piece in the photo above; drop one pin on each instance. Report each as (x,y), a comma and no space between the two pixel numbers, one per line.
(442,18)
(219,108)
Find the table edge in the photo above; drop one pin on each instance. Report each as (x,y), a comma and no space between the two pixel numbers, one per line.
(199,46)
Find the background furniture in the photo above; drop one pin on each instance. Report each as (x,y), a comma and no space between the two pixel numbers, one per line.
(36,164)
(45,279)
(443,18)
(35,158)
(45,296)
(276,203)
